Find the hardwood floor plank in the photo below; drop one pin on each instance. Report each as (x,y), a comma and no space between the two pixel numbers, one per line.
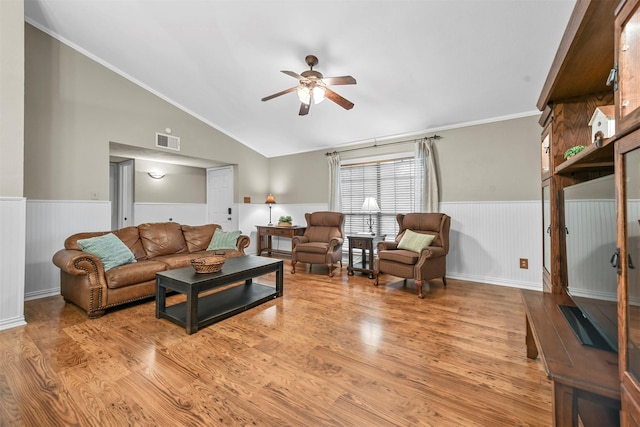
(331,352)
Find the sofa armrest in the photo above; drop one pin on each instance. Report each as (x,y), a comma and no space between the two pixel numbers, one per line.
(78,263)
(298,239)
(242,243)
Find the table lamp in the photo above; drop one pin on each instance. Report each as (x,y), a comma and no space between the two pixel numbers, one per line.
(270,201)
(370,205)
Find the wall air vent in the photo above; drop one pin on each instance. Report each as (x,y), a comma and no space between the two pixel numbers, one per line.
(167,141)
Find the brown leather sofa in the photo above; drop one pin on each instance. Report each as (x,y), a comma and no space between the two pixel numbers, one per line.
(156,247)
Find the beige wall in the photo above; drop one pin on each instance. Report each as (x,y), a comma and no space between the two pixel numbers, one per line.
(11,97)
(488,162)
(74,107)
(181,184)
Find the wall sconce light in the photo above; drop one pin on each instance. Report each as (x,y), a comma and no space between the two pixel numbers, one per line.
(270,201)
(156,175)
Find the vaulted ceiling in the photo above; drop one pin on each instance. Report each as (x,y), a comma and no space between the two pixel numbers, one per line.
(420,66)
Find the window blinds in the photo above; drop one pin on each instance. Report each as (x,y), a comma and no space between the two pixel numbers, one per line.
(395,184)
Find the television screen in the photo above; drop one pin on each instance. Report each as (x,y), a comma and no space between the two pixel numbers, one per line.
(590,220)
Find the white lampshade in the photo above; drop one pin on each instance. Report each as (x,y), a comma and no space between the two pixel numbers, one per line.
(304,95)
(370,205)
(318,94)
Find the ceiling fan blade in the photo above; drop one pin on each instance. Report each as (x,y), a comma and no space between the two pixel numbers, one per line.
(343,102)
(341,80)
(291,89)
(304,109)
(295,75)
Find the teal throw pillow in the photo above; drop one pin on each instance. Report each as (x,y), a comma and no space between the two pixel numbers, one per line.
(415,242)
(223,240)
(111,250)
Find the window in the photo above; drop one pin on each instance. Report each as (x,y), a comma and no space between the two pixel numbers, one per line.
(396,184)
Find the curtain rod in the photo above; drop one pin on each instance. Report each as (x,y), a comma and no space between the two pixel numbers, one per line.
(375,145)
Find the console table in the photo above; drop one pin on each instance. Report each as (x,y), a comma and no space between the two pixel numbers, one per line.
(265,232)
(585,384)
(366,242)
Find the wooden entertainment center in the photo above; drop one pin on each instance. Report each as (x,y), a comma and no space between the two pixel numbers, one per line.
(597,65)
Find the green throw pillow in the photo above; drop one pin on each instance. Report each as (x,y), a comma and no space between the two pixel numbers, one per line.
(415,242)
(111,250)
(223,240)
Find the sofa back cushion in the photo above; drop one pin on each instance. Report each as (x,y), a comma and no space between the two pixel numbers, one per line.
(162,238)
(129,235)
(199,236)
(131,238)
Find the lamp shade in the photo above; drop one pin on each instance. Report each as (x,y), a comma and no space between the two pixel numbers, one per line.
(370,205)
(270,199)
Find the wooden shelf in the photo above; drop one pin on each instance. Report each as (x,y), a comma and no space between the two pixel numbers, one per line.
(591,158)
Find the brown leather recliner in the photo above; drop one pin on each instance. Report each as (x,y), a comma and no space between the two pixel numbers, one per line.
(430,263)
(321,242)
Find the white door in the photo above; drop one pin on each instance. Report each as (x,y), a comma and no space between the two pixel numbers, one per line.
(125,197)
(220,208)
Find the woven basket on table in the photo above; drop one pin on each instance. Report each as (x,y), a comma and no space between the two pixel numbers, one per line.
(208,264)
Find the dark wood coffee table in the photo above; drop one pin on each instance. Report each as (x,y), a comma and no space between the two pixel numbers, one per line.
(198,312)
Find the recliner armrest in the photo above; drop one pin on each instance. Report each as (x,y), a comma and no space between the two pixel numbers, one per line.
(335,241)
(432,252)
(298,239)
(384,245)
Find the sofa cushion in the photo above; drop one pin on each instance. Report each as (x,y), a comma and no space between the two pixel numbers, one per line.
(109,248)
(415,241)
(199,236)
(178,260)
(162,238)
(131,274)
(223,240)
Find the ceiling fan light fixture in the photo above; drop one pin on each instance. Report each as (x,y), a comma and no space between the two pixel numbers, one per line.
(304,95)
(318,94)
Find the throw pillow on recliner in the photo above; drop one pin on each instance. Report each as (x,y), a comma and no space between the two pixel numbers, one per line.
(415,242)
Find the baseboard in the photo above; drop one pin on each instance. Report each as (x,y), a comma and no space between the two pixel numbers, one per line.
(12,323)
(44,293)
(493,281)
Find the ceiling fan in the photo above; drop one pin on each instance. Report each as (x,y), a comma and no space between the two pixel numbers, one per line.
(314,87)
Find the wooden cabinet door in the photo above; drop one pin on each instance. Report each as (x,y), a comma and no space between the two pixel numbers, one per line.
(628,189)
(628,60)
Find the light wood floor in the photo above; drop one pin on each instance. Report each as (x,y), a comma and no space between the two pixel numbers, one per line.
(331,352)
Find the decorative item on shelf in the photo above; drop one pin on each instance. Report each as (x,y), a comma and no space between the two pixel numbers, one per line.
(603,124)
(573,151)
(208,264)
(370,206)
(284,221)
(270,201)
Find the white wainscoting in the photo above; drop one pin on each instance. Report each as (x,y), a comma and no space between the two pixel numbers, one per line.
(12,259)
(49,223)
(182,213)
(487,240)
